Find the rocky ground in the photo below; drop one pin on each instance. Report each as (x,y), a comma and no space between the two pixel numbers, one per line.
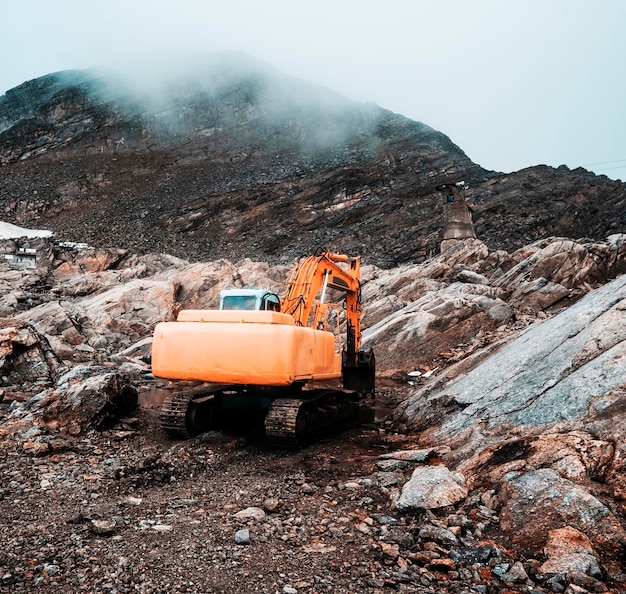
(504,372)
(129,510)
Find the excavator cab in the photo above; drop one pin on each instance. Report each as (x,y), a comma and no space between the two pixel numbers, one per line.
(249,299)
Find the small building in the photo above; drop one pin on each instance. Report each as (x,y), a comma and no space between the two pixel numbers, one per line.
(21,258)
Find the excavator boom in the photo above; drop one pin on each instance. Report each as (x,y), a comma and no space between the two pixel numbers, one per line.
(317,274)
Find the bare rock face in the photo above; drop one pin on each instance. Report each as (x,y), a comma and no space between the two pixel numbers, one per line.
(417,316)
(92,260)
(549,374)
(549,270)
(104,322)
(575,455)
(101,312)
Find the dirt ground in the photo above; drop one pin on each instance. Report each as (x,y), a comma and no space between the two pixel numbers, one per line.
(131,510)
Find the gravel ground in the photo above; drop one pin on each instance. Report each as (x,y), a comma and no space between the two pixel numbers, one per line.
(130,510)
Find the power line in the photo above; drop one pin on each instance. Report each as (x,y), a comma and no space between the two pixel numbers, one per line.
(608,168)
(605,162)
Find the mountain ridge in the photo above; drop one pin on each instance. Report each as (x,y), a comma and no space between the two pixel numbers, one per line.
(202,172)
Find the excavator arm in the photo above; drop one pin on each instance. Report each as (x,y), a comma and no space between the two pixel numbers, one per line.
(313,276)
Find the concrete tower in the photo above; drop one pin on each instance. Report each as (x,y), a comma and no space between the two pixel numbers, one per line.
(457,215)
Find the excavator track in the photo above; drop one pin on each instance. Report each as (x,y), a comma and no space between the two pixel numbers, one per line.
(185,414)
(290,422)
(294,422)
(285,423)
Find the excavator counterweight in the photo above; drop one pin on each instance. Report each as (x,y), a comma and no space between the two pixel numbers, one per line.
(260,348)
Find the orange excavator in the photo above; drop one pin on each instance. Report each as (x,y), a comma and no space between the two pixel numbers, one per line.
(268,354)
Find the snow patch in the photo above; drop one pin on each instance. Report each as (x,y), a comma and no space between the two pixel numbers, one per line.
(9,231)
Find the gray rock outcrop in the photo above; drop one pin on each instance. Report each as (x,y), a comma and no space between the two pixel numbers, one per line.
(469,297)
(551,373)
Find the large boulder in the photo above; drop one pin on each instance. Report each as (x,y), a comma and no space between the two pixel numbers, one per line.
(89,259)
(566,262)
(27,362)
(567,551)
(199,284)
(431,487)
(87,397)
(537,502)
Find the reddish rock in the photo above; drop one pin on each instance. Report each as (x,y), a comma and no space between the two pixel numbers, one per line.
(568,550)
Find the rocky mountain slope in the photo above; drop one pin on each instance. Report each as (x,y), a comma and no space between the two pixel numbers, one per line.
(231,159)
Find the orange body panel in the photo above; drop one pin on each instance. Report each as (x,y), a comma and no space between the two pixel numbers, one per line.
(243,347)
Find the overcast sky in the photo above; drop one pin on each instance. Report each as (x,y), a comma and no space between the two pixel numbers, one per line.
(514,83)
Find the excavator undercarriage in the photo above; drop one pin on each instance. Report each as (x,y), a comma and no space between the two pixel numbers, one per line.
(289,418)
